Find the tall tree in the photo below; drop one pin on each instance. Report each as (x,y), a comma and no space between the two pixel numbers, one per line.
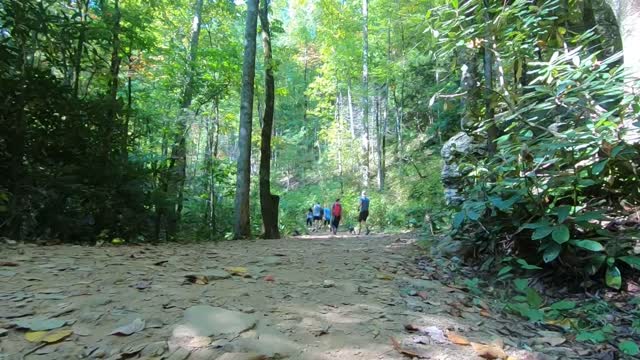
(114,71)
(242,224)
(177,171)
(365,88)
(268,201)
(627,13)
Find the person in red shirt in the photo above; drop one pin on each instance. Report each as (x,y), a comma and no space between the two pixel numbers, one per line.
(336,212)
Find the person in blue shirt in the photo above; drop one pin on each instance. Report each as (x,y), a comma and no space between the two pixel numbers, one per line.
(327,217)
(317,216)
(363,207)
(310,218)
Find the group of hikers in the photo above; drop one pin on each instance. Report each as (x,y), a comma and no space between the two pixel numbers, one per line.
(319,216)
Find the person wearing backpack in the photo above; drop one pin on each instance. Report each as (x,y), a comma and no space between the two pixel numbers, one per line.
(317,216)
(363,206)
(336,212)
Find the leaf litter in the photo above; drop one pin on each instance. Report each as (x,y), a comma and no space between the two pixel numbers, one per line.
(369,310)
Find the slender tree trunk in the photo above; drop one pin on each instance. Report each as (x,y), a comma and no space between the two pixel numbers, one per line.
(385,118)
(350,106)
(125,135)
(338,118)
(379,144)
(242,225)
(492,131)
(16,141)
(178,168)
(627,13)
(114,71)
(211,149)
(268,202)
(365,89)
(82,12)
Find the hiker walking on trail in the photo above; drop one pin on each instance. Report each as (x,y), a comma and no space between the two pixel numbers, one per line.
(336,213)
(317,216)
(327,216)
(363,207)
(310,218)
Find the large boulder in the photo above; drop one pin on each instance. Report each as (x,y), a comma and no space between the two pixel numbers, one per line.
(459,148)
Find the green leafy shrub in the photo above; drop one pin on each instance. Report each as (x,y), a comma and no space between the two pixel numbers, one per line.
(561,173)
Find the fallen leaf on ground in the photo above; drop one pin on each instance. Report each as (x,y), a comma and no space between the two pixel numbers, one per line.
(423,295)
(131,328)
(142,285)
(197,279)
(385,277)
(39,324)
(55,336)
(396,345)
(269,278)
(238,271)
(489,351)
(35,336)
(435,333)
(485,313)
(457,339)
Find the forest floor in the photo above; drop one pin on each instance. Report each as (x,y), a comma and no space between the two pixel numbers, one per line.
(310,297)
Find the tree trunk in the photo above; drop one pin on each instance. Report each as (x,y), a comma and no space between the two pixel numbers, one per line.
(492,130)
(178,168)
(268,202)
(379,144)
(77,66)
(338,118)
(365,89)
(350,106)
(242,225)
(210,215)
(627,13)
(114,71)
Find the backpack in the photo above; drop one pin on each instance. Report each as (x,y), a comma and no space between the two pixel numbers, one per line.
(337,209)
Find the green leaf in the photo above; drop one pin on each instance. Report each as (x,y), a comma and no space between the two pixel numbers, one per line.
(458,219)
(613,277)
(595,337)
(533,298)
(504,270)
(527,266)
(551,252)
(587,245)
(560,234)
(592,215)
(521,284)
(541,232)
(563,305)
(598,167)
(629,348)
(454,3)
(563,213)
(534,315)
(633,261)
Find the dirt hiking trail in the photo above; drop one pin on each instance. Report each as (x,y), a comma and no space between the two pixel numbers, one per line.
(320,297)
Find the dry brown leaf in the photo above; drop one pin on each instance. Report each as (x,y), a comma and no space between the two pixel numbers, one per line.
(197,279)
(423,295)
(489,351)
(485,313)
(456,338)
(396,345)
